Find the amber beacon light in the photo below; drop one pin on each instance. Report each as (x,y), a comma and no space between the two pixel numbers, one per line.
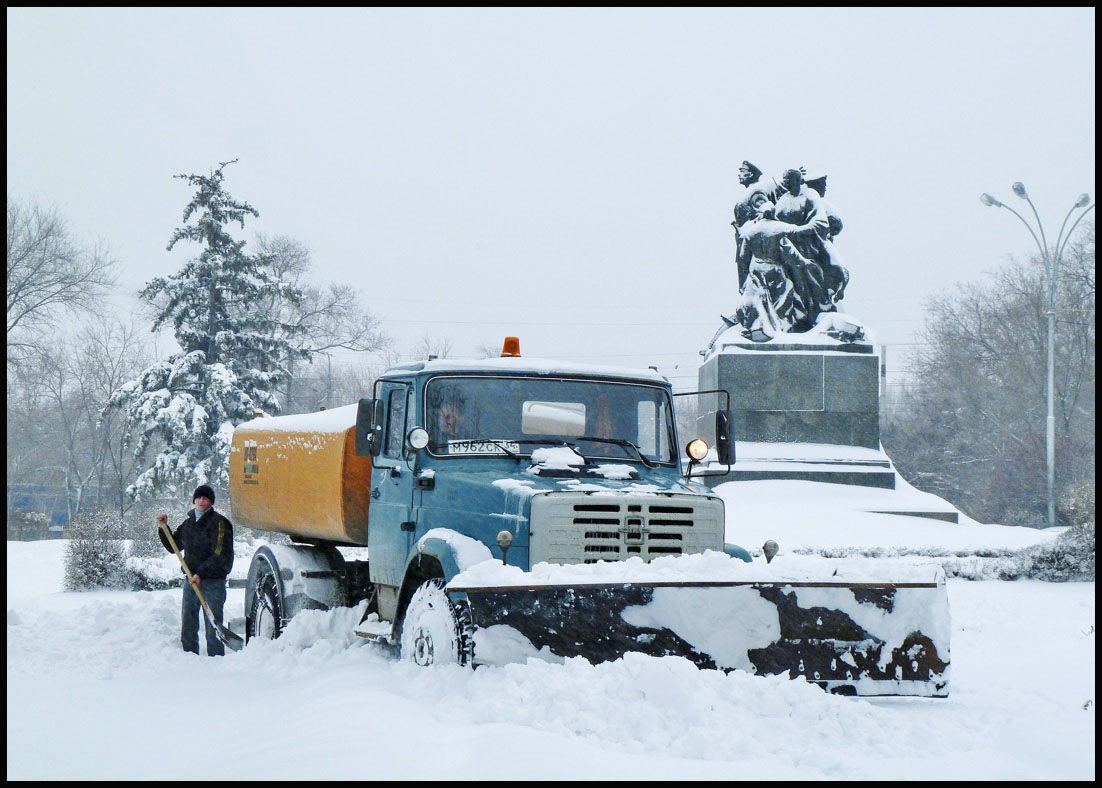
(511,347)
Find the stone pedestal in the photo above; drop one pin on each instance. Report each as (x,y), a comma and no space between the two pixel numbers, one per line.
(800,395)
(791,404)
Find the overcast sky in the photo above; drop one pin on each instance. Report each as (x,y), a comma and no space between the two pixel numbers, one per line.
(565,175)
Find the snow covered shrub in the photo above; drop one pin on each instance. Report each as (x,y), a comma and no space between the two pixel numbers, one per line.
(140,523)
(27,526)
(1077,503)
(96,554)
(1070,556)
(153,573)
(979,567)
(150,567)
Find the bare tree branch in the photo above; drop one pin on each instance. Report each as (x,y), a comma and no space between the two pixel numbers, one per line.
(48,271)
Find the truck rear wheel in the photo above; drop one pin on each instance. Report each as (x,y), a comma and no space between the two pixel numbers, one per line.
(435,631)
(265,619)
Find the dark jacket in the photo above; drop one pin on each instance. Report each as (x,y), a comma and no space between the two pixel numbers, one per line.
(207,544)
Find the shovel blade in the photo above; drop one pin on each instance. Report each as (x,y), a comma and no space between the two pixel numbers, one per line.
(226,636)
(229,638)
(850,638)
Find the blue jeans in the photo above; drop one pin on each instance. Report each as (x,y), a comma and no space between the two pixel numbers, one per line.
(214,591)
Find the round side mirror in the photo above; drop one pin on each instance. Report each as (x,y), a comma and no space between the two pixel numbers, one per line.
(417,438)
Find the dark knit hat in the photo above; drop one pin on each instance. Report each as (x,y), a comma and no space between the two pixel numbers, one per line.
(204,491)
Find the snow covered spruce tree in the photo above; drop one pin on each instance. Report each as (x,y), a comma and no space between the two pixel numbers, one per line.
(231,358)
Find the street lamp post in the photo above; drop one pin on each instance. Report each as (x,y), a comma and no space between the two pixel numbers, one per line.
(1051,259)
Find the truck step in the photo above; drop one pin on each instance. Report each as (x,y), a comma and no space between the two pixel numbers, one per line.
(375,630)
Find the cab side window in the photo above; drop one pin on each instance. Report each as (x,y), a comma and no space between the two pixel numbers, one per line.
(395,422)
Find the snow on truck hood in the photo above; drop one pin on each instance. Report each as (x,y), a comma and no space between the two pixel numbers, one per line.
(610,482)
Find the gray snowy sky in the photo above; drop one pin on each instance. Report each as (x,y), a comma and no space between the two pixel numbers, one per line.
(563,175)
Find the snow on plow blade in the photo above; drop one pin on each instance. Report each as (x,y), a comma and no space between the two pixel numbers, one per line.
(850,638)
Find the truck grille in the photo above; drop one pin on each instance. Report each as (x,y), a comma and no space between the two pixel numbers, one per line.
(571,528)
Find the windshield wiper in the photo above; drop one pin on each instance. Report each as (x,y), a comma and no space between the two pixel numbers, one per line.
(551,442)
(614,441)
(621,442)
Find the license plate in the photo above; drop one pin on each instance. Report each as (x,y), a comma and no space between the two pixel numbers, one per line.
(483,447)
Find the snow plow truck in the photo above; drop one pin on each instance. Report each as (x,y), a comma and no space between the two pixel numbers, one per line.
(514,507)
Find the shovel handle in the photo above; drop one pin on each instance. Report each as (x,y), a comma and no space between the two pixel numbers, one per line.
(162,521)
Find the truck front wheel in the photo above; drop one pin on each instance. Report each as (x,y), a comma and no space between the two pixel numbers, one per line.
(435,631)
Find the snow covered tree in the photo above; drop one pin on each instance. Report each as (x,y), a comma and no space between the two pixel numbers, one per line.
(231,357)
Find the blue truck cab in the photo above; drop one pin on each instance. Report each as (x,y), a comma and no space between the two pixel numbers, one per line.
(525,461)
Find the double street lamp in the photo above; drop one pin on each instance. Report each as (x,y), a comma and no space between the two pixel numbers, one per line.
(1051,258)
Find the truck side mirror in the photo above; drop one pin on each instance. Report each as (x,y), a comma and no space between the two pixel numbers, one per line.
(725,446)
(369,425)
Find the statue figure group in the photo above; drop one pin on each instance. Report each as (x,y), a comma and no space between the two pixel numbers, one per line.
(789,273)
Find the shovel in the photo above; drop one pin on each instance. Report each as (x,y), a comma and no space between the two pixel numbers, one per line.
(229,638)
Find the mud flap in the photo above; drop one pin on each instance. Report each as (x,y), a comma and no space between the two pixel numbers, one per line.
(851,638)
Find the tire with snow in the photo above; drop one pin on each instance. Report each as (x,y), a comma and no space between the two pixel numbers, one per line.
(435,631)
(265,618)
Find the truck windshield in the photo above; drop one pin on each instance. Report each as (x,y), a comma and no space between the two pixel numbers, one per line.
(516,415)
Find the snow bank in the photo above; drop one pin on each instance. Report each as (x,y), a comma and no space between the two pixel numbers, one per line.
(710,566)
(35,568)
(821,516)
(95,681)
(757,450)
(643,705)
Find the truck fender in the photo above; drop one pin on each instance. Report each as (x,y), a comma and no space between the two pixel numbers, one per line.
(306,577)
(442,553)
(454,551)
(735,551)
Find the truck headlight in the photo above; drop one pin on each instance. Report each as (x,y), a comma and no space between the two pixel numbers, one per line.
(418,438)
(697,449)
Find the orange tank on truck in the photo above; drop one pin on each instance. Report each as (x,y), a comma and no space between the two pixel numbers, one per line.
(300,475)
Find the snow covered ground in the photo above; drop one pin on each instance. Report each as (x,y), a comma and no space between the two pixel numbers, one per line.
(99,689)
(803,515)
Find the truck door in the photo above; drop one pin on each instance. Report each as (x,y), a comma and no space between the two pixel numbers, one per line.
(390,530)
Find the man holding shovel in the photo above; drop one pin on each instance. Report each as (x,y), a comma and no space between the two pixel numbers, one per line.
(206,538)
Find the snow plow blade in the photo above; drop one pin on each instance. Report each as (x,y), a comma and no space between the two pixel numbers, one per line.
(850,638)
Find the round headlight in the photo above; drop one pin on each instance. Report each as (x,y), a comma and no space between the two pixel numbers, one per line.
(697,449)
(418,438)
